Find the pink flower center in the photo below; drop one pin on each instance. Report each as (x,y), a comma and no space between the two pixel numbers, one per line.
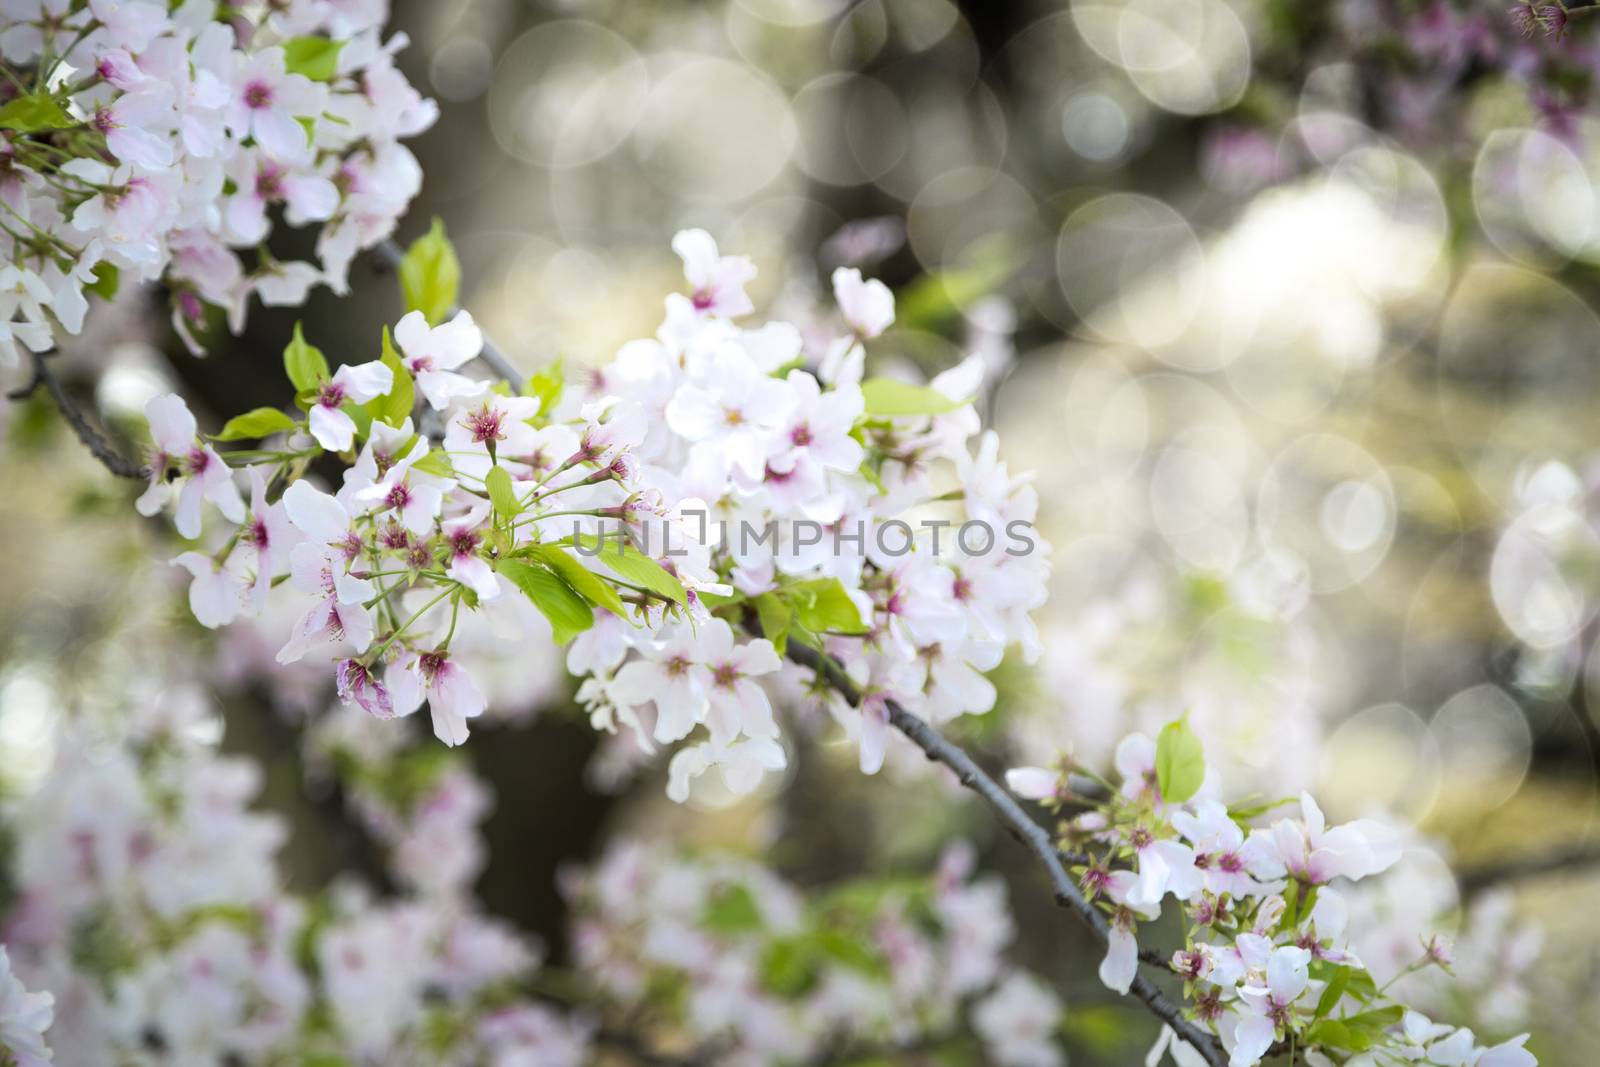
(331,396)
(725,675)
(257,95)
(269,182)
(432,664)
(702,299)
(464,543)
(485,424)
(800,436)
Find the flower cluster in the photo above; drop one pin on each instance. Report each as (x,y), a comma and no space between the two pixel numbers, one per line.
(759,973)
(702,488)
(1267,961)
(150,905)
(143,141)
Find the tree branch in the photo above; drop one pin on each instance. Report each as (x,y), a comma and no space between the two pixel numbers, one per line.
(97,444)
(1033,836)
(391,255)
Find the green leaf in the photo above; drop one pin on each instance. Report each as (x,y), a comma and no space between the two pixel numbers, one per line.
(731,910)
(436,463)
(896,399)
(569,613)
(315,57)
(589,585)
(788,968)
(106,280)
(1180,762)
(394,407)
(623,559)
(1333,992)
(775,615)
(546,386)
(853,952)
(430,275)
(1333,1033)
(1375,1020)
(304,363)
(35,112)
(501,494)
(261,422)
(821,605)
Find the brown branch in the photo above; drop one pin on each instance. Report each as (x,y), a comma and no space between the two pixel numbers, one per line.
(97,444)
(1033,836)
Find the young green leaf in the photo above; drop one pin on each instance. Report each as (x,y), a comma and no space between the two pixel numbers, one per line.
(895,399)
(106,280)
(437,463)
(733,910)
(821,605)
(624,560)
(501,493)
(315,57)
(569,613)
(304,363)
(775,615)
(589,585)
(261,422)
(394,407)
(430,275)
(34,112)
(1180,762)
(546,386)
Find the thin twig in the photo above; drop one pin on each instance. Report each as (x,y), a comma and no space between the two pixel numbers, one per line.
(1024,829)
(99,447)
(1570,857)
(391,255)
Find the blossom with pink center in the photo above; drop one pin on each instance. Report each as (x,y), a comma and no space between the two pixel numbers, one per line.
(184,466)
(137,127)
(1307,850)
(672,673)
(432,355)
(467,564)
(736,704)
(452,696)
(1265,1011)
(357,684)
(333,428)
(382,480)
(267,104)
(484,429)
(1218,848)
(717,281)
(320,565)
(261,181)
(732,414)
(268,533)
